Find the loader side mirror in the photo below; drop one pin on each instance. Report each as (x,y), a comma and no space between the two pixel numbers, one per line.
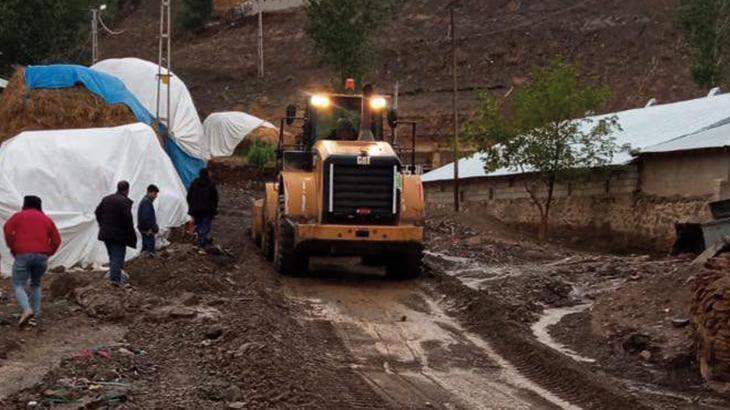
(291,114)
(392,118)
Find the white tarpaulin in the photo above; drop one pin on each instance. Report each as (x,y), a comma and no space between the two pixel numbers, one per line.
(72,170)
(225,130)
(140,78)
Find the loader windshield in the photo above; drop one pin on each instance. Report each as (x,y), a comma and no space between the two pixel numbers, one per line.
(341,121)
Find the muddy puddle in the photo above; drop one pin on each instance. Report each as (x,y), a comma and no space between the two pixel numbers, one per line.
(473,273)
(550,317)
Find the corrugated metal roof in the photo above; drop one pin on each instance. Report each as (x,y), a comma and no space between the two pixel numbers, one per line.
(640,128)
(716,137)
(3,83)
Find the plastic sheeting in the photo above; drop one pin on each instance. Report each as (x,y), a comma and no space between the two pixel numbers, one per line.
(225,130)
(113,91)
(140,77)
(187,167)
(71,170)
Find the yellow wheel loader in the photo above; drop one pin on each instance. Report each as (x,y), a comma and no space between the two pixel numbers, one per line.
(341,190)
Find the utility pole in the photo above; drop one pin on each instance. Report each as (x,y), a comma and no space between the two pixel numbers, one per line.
(94,36)
(164,65)
(455,106)
(261,38)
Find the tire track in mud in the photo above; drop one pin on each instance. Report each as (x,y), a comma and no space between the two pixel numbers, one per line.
(359,392)
(555,372)
(413,353)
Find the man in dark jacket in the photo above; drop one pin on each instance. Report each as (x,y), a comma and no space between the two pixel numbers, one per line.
(203,205)
(31,237)
(147,221)
(116,229)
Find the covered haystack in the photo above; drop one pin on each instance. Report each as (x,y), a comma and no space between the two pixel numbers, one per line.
(22,109)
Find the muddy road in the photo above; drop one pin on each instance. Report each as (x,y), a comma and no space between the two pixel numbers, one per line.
(408,349)
(227,331)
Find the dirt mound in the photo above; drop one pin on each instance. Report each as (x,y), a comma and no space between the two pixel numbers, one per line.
(101,300)
(22,109)
(179,270)
(711,315)
(233,173)
(64,284)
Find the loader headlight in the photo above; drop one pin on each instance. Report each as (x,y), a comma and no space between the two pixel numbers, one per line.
(320,101)
(378,103)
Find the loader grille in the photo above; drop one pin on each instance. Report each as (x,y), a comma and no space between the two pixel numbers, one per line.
(358,194)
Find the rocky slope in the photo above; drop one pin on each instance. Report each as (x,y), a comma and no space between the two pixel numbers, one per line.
(633,46)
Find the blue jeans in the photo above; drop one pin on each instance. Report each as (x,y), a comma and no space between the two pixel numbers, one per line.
(148,243)
(116,253)
(29,267)
(203,226)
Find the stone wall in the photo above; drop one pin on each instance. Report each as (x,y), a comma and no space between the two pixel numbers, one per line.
(609,206)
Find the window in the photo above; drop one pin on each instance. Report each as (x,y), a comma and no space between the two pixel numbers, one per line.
(491,193)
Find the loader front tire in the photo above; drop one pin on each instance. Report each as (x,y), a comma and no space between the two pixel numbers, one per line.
(287,260)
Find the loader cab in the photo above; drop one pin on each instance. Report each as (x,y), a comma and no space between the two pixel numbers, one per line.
(341,117)
(335,117)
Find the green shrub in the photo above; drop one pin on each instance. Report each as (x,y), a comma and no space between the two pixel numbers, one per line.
(195,13)
(260,154)
(32,31)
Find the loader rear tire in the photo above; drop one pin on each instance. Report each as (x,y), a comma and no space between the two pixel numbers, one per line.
(404,266)
(287,260)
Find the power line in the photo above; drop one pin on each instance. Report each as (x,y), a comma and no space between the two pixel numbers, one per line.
(108,30)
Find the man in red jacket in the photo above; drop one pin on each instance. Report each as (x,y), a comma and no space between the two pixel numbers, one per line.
(32,237)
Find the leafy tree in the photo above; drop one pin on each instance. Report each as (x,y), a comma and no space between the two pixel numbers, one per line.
(342,32)
(260,154)
(706,27)
(195,13)
(31,31)
(537,133)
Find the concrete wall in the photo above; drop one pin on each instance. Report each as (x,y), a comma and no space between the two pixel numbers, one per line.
(607,205)
(220,7)
(687,174)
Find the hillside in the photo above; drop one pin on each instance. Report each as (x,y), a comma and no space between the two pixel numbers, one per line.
(632,46)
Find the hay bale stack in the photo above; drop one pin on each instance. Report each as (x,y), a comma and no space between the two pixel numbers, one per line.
(711,316)
(267,135)
(22,109)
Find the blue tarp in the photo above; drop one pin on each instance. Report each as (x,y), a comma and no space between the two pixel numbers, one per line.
(187,167)
(107,87)
(112,91)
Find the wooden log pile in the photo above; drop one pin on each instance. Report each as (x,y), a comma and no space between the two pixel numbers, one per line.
(711,317)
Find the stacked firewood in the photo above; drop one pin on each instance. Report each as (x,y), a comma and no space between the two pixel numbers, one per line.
(711,316)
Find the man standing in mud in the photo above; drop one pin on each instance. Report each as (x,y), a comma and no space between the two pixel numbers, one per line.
(147,221)
(203,206)
(116,229)
(31,237)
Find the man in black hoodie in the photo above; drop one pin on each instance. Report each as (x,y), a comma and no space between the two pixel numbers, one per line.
(116,229)
(203,205)
(147,220)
